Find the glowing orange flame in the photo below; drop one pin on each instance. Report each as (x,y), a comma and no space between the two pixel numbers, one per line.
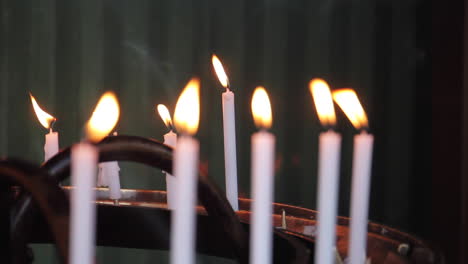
(104,118)
(219,69)
(44,118)
(261,108)
(348,101)
(323,101)
(187,111)
(165,116)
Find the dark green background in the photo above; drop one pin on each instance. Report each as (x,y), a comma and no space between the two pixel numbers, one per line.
(67,53)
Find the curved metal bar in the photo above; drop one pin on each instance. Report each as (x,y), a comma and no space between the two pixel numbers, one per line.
(158,155)
(51,199)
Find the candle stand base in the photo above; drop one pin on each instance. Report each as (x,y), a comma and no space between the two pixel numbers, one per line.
(141,219)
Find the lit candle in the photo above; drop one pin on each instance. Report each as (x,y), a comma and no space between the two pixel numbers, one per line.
(263,155)
(183,222)
(84,159)
(51,145)
(362,163)
(328,173)
(170,139)
(229,126)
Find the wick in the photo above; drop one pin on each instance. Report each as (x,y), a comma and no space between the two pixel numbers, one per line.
(170,126)
(228,86)
(365,130)
(52,124)
(328,128)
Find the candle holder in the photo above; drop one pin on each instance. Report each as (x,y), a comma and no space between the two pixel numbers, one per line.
(141,219)
(156,154)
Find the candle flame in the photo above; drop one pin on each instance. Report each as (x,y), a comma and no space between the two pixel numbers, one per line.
(323,101)
(44,118)
(187,110)
(348,101)
(261,108)
(165,116)
(104,118)
(219,69)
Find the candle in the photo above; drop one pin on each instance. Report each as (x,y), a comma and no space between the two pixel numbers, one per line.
(263,149)
(185,163)
(84,158)
(51,145)
(362,162)
(229,126)
(101,178)
(328,173)
(111,175)
(170,139)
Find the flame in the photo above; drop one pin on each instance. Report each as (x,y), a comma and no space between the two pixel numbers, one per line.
(165,116)
(323,101)
(187,111)
(219,69)
(261,108)
(349,102)
(104,118)
(44,118)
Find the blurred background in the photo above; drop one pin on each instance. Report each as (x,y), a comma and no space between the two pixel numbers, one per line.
(67,53)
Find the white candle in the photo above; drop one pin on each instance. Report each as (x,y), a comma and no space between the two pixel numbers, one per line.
(101,178)
(229,126)
(51,145)
(328,174)
(362,164)
(328,182)
(362,161)
(113,177)
(263,149)
(170,139)
(185,164)
(84,158)
(230,159)
(184,217)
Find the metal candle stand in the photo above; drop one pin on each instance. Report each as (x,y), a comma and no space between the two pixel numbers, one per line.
(141,219)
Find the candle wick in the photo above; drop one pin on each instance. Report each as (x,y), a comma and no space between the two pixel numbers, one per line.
(51,128)
(228,86)
(365,130)
(170,126)
(328,127)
